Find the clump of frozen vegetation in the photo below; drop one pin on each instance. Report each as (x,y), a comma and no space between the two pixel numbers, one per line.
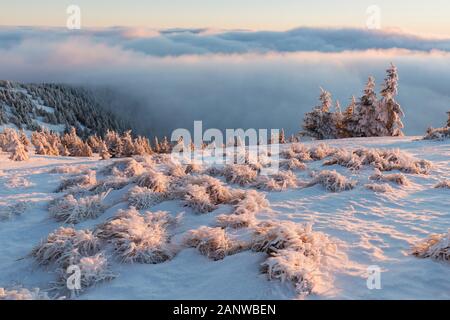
(114,183)
(80,182)
(144,198)
(69,209)
(194,167)
(296,253)
(213,243)
(397,178)
(65,246)
(293,164)
(332,181)
(23,294)
(139,238)
(345,158)
(68,169)
(94,270)
(380,188)
(240,174)
(9,211)
(244,212)
(198,199)
(321,151)
(277,182)
(437,134)
(128,168)
(445,184)
(18,182)
(175,169)
(154,180)
(436,246)
(297,151)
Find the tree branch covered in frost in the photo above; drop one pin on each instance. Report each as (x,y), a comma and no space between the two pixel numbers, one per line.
(64,246)
(332,181)
(213,243)
(397,178)
(139,238)
(69,209)
(436,246)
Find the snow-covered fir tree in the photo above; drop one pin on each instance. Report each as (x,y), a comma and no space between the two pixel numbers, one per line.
(365,123)
(319,123)
(389,111)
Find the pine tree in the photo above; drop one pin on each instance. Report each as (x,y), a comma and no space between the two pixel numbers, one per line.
(319,123)
(348,123)
(389,111)
(128,145)
(365,114)
(104,153)
(157,146)
(114,144)
(18,151)
(282,137)
(448,121)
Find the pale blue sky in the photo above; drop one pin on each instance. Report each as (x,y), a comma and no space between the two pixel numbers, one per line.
(431,17)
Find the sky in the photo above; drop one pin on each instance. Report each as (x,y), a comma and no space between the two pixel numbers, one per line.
(164,64)
(417,16)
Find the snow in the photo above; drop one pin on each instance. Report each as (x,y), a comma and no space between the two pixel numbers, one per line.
(367,226)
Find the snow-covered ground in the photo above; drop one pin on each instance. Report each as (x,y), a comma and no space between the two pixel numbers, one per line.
(368,228)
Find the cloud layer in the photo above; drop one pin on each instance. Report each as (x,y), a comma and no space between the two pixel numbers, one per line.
(164,80)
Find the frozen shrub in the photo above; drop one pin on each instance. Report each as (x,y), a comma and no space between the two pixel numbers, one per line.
(194,167)
(345,158)
(198,199)
(214,171)
(332,181)
(240,174)
(321,151)
(293,164)
(144,198)
(443,184)
(297,151)
(23,294)
(18,182)
(114,183)
(18,152)
(129,168)
(139,238)
(437,247)
(294,267)
(83,181)
(68,169)
(216,190)
(437,134)
(155,181)
(176,170)
(236,221)
(381,188)
(277,182)
(213,243)
(94,270)
(251,203)
(397,178)
(64,246)
(296,253)
(68,209)
(8,211)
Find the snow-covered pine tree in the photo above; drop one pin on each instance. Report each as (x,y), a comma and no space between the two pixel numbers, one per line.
(18,151)
(157,146)
(128,144)
(364,120)
(349,123)
(24,139)
(389,111)
(282,137)
(338,121)
(114,143)
(319,122)
(104,153)
(165,146)
(448,121)
(142,146)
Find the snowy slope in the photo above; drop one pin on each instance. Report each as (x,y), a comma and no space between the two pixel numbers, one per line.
(369,228)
